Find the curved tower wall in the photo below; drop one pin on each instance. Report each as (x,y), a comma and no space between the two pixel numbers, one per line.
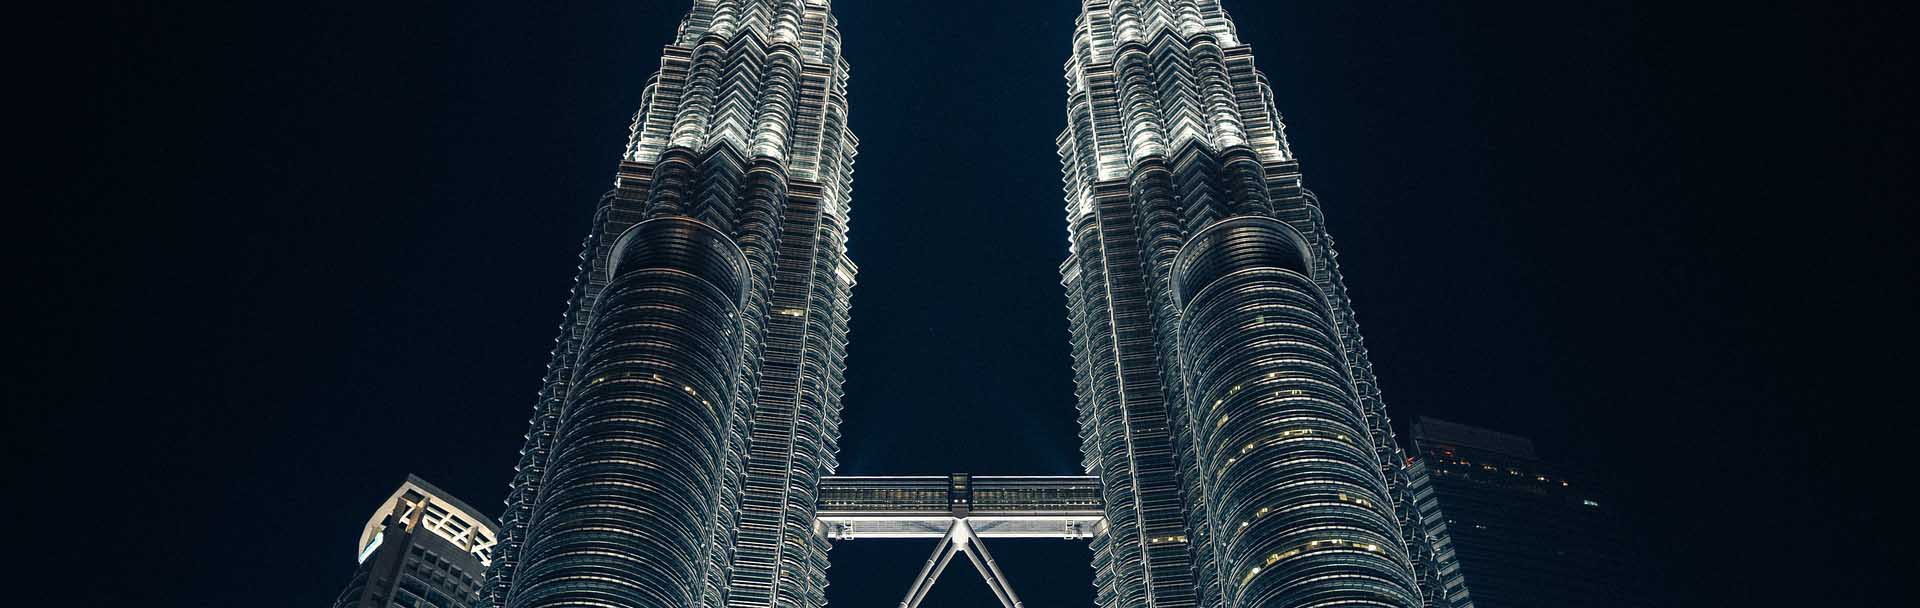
(741,139)
(643,438)
(1304,516)
(1170,130)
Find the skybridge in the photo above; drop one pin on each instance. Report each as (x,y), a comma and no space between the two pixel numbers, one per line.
(961,511)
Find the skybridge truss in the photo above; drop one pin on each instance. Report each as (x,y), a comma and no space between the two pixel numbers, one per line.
(961,511)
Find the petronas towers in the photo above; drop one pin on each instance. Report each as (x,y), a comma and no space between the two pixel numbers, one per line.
(1225,397)
(692,402)
(693,397)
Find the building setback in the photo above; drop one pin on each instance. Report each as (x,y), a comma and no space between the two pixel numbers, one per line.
(1225,396)
(1512,531)
(692,400)
(422,548)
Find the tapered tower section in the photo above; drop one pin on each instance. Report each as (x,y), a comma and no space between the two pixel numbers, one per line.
(1226,400)
(692,401)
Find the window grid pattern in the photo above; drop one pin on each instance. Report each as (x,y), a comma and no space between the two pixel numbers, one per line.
(421,549)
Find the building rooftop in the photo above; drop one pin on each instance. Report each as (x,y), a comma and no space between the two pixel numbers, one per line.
(1434,430)
(439,512)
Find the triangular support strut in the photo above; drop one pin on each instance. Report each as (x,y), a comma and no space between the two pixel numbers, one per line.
(961,539)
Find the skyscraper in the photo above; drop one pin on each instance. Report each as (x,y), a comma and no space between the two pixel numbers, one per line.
(422,548)
(1242,453)
(692,400)
(1225,396)
(1515,531)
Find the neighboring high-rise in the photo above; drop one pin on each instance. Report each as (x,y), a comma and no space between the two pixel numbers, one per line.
(692,400)
(1515,532)
(1226,400)
(422,548)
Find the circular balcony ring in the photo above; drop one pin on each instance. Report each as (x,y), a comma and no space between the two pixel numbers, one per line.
(685,244)
(1237,243)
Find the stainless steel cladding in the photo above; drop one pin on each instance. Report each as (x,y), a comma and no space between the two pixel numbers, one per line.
(692,401)
(628,510)
(1304,516)
(1225,396)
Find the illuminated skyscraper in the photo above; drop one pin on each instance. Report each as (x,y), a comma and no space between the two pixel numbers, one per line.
(1226,400)
(1242,454)
(692,400)
(422,548)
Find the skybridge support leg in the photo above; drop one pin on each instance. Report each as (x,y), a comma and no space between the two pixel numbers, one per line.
(936,563)
(960,539)
(996,580)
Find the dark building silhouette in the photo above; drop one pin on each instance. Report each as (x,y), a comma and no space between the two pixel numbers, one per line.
(1512,531)
(422,548)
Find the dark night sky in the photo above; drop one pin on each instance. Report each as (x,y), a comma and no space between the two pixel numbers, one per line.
(279,257)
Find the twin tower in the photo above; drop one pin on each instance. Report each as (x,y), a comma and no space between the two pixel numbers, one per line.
(1229,416)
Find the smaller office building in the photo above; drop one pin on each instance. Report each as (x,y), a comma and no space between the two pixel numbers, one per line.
(1512,531)
(422,548)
